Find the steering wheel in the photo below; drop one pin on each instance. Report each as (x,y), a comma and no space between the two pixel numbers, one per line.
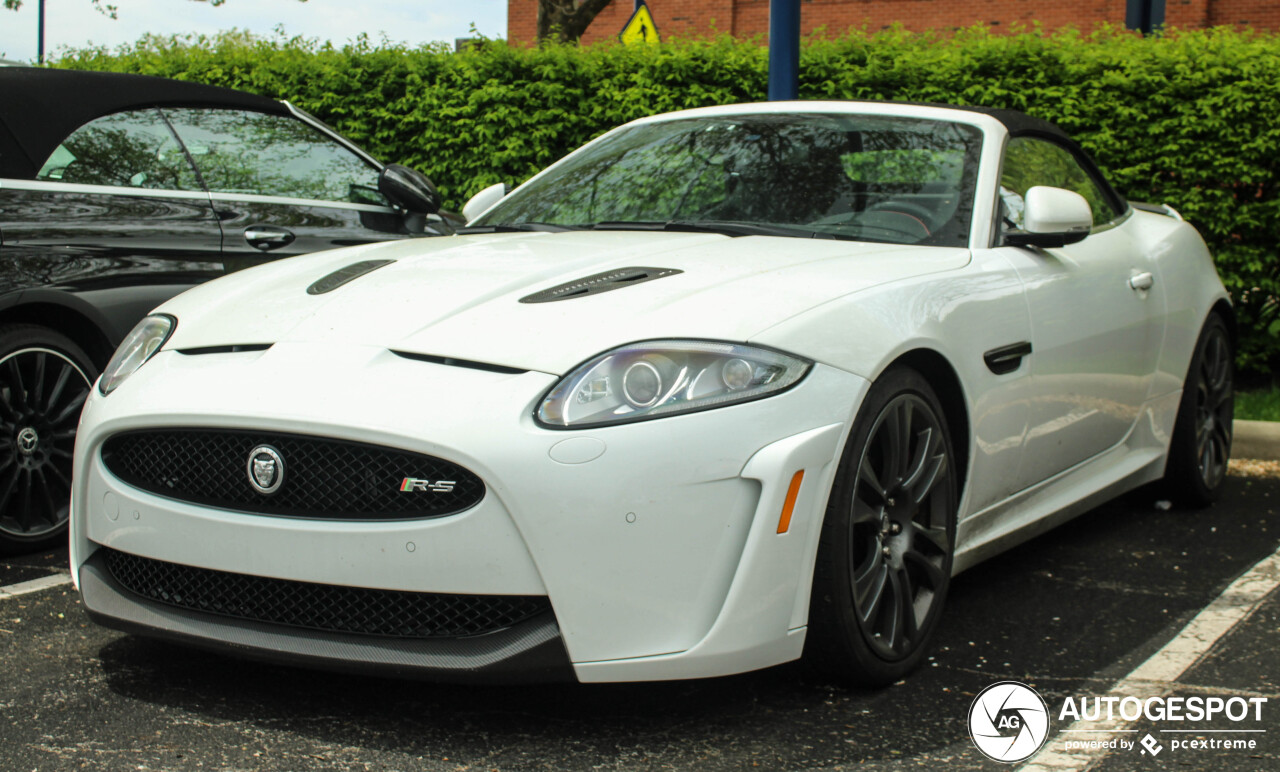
(921,216)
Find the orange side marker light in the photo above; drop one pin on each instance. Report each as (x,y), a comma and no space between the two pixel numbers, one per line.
(784,522)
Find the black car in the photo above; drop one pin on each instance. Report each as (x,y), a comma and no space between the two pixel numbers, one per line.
(120,191)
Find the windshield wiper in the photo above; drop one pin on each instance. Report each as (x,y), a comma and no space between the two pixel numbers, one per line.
(723,227)
(732,228)
(518,227)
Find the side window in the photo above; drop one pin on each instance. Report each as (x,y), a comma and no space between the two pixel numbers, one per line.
(272,155)
(133,149)
(1029,162)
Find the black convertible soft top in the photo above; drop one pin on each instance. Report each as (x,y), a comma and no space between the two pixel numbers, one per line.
(40,107)
(1019,124)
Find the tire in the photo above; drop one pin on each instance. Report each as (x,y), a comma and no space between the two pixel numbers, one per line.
(1201,444)
(44,380)
(888,538)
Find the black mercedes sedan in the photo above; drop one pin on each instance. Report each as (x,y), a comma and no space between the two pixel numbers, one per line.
(118,192)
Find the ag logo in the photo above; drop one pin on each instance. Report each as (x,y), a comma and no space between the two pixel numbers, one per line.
(1008,721)
(266,469)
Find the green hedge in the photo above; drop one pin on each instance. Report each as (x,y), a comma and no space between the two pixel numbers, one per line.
(1191,119)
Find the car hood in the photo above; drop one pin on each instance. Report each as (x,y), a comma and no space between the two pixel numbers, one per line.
(461,297)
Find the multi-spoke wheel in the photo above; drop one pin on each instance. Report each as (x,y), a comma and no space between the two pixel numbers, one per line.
(1201,444)
(44,380)
(884,563)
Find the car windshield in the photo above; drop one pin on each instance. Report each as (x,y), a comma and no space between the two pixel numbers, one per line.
(873,178)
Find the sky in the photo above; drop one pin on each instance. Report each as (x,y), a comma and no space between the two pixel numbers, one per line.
(75,23)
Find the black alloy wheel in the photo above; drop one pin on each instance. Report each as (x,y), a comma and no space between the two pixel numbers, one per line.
(44,381)
(1201,446)
(1215,407)
(899,543)
(884,563)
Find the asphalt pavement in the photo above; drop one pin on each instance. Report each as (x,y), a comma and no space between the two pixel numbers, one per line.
(1244,664)
(1069,613)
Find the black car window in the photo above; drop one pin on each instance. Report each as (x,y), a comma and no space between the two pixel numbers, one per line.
(272,155)
(1029,162)
(133,149)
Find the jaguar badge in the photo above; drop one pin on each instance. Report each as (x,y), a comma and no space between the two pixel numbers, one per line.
(266,469)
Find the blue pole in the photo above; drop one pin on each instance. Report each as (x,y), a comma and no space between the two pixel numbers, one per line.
(1156,17)
(1147,16)
(40,35)
(784,49)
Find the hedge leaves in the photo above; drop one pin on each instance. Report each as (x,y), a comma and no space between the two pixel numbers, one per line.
(1191,119)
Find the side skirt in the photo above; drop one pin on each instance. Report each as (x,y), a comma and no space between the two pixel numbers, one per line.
(1136,461)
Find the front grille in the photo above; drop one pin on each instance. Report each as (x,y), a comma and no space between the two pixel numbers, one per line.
(322,478)
(330,608)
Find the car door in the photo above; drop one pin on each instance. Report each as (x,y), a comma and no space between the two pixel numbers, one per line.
(1095,309)
(117,197)
(280,186)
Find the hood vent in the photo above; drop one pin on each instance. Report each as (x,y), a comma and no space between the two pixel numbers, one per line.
(600,282)
(452,362)
(230,349)
(343,275)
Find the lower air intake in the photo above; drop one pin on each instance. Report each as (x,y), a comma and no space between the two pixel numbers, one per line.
(331,608)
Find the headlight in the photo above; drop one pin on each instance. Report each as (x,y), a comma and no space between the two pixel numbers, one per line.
(138,346)
(663,377)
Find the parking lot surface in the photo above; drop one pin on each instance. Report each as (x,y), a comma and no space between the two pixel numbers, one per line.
(1069,613)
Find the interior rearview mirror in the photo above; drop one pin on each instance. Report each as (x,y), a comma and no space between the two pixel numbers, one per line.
(481,201)
(408,189)
(1052,217)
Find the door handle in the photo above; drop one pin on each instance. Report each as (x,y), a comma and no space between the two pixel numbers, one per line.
(265,237)
(1141,281)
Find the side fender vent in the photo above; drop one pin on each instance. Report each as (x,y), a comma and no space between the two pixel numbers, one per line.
(600,282)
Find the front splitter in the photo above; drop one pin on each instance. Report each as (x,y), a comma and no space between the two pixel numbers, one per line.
(531,651)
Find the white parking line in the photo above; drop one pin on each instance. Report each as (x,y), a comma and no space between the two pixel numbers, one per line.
(1157,676)
(34,585)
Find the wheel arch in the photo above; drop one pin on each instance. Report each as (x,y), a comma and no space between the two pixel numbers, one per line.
(72,322)
(944,379)
(1224,309)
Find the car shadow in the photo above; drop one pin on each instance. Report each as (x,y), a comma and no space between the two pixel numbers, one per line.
(1066,613)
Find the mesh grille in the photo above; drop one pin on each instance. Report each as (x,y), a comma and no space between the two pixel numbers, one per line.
(323,478)
(325,607)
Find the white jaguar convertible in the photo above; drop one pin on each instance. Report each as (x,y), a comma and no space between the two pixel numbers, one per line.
(722,389)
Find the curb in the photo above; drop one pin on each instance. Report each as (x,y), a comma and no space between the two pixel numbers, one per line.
(1256,439)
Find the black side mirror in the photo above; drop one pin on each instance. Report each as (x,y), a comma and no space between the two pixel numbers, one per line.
(408,189)
(1045,240)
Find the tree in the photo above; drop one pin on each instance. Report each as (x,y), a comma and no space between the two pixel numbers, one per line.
(110,11)
(564,20)
(103,8)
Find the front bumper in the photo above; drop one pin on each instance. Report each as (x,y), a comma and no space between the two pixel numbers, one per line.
(531,651)
(656,542)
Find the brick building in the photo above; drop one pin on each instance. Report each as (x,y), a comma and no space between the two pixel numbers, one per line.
(745,18)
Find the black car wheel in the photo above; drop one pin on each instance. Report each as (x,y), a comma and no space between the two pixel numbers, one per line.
(44,380)
(884,562)
(1201,444)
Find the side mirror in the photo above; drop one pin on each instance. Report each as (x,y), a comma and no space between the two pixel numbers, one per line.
(408,189)
(481,201)
(1052,217)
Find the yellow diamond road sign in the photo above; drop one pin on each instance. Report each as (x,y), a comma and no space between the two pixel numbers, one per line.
(639,29)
